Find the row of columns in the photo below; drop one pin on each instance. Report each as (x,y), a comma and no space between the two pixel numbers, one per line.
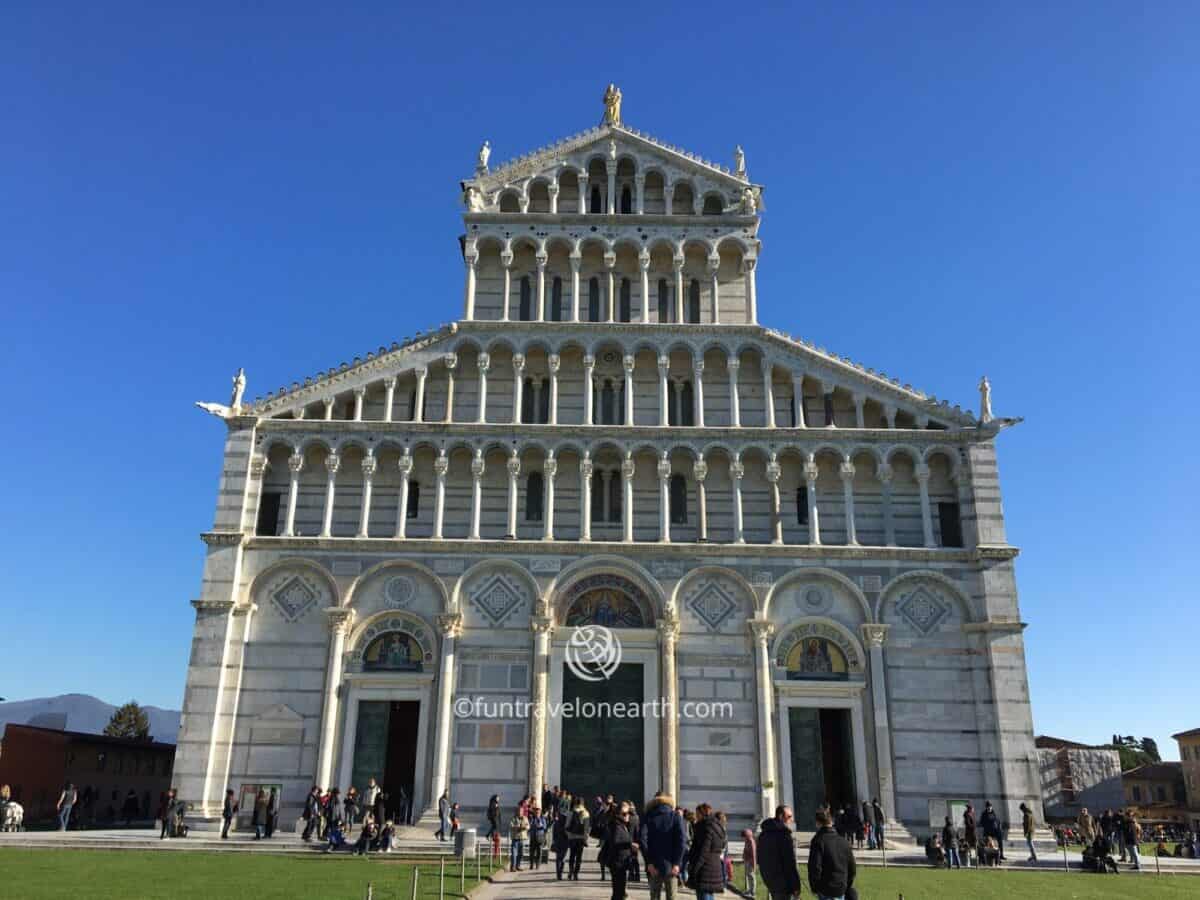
(541,259)
(610,198)
(664,470)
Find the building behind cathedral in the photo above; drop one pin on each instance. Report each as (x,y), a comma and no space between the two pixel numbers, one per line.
(608,436)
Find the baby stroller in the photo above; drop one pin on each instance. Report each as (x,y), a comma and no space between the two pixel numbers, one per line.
(12,816)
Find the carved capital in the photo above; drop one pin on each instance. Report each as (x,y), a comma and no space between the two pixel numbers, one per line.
(628,468)
(713,265)
(450,360)
(541,625)
(340,619)
(513,466)
(518,362)
(922,473)
(360,391)
(258,466)
(576,262)
(554,362)
(668,629)
(441,465)
(421,372)
(664,470)
(540,259)
(610,259)
(550,468)
(484,362)
(811,472)
(644,261)
(737,471)
(477,465)
(450,624)
(846,470)
(700,470)
(698,367)
(664,363)
(749,263)
(333,462)
(761,630)
(774,472)
(369,465)
(875,635)
(506,258)
(589,361)
(552,188)
(733,365)
(627,363)
(884,474)
(389,384)
(406,465)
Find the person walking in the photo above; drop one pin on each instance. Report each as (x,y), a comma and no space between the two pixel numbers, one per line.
(518,830)
(777,855)
(167,812)
(877,818)
(66,802)
(493,815)
(831,866)
(749,861)
(706,868)
(312,813)
(1086,825)
(443,816)
(260,815)
(559,844)
(228,811)
(370,795)
(1027,830)
(618,848)
(950,845)
(662,839)
(350,809)
(272,813)
(577,832)
(1119,833)
(970,835)
(537,837)
(129,809)
(1133,837)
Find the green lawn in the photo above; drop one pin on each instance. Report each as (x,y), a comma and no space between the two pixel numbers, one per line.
(992,884)
(132,875)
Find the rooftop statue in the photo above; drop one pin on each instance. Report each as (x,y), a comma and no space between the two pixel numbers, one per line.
(739,161)
(612,105)
(985,400)
(239,388)
(485,153)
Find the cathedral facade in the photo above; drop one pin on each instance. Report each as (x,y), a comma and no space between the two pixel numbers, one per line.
(803,560)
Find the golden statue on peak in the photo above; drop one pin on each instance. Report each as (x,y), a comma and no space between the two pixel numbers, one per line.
(612,105)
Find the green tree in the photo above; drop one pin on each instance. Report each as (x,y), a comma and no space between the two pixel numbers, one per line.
(129,721)
(1150,748)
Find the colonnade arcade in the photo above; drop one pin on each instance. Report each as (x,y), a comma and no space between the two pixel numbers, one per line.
(721,492)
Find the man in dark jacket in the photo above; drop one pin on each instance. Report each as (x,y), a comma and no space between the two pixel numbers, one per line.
(777,855)
(312,813)
(228,812)
(618,848)
(662,839)
(830,861)
(989,822)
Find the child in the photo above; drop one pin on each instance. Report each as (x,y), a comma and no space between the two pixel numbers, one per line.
(453,819)
(749,860)
(336,837)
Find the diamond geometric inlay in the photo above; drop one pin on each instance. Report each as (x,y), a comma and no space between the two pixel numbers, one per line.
(497,598)
(922,609)
(712,605)
(294,598)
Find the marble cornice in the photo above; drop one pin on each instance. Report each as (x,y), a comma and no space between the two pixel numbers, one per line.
(462,546)
(997,552)
(222,538)
(562,221)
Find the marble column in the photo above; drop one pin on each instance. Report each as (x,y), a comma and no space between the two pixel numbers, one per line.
(700,472)
(889,414)
(846,471)
(735,413)
(610,262)
(774,473)
(610,167)
(549,471)
(419,400)
(552,190)
(553,363)
(514,469)
(476,492)
(471,261)
(518,362)
(751,292)
(664,365)
(540,261)
(639,183)
(406,467)
(506,260)
(576,263)
(875,636)
(922,473)
(485,363)
(369,465)
(440,467)
(627,364)
(884,474)
(668,637)
(450,625)
(859,415)
(589,392)
(827,398)
(679,289)
(451,362)
(360,394)
(329,409)
(295,464)
(698,392)
(583,194)
(768,396)
(389,397)
(737,472)
(585,498)
(664,499)
(644,267)
(628,467)
(340,620)
(332,462)
(606,477)
(542,628)
(713,267)
(810,479)
(798,399)
(762,630)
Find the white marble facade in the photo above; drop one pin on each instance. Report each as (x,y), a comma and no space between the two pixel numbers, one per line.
(751,491)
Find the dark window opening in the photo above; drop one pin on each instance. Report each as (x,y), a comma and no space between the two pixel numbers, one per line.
(556,310)
(527,401)
(712,205)
(593,299)
(597,496)
(614,497)
(693,310)
(533,497)
(951,524)
(829,408)
(687,402)
(607,404)
(544,402)
(626,301)
(802,505)
(678,495)
(414,499)
(664,301)
(597,200)
(626,200)
(268,514)
(525,312)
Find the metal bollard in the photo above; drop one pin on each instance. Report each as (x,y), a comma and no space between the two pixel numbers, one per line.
(1066,864)
(462,876)
(370,891)
(416,874)
(477,878)
(442,879)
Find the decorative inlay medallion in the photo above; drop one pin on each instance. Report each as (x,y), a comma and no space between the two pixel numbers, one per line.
(712,604)
(813,600)
(294,597)
(922,609)
(497,597)
(399,591)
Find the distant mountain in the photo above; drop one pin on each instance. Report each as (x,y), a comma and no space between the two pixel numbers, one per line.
(82,712)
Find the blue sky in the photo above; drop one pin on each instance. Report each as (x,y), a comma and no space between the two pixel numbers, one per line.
(950,191)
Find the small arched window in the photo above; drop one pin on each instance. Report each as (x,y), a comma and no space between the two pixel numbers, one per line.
(678,492)
(664,301)
(525,312)
(533,497)
(544,401)
(510,203)
(626,301)
(626,200)
(687,403)
(414,499)
(614,497)
(712,205)
(597,200)
(607,404)
(597,512)
(593,299)
(802,505)
(556,300)
(693,310)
